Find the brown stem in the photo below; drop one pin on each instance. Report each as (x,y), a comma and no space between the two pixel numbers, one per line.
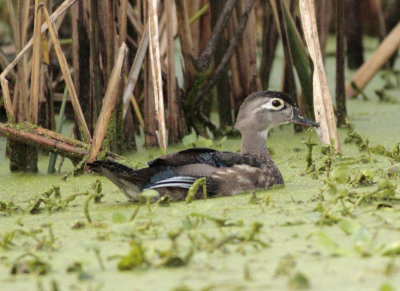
(203,61)
(185,38)
(95,84)
(175,128)
(110,100)
(270,37)
(353,30)
(289,81)
(222,83)
(340,62)
(231,49)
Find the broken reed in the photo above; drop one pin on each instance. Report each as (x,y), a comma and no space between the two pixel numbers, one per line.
(218,47)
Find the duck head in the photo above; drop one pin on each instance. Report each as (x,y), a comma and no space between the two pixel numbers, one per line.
(264,110)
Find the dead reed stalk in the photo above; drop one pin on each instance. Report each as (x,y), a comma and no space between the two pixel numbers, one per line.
(323,107)
(67,78)
(54,16)
(174,116)
(36,64)
(156,74)
(135,68)
(110,99)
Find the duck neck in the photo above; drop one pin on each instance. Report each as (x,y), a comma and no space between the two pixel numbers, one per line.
(255,144)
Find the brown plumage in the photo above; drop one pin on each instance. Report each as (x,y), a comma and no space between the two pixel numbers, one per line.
(226,173)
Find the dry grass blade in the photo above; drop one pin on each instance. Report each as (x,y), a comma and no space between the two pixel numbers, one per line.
(60,11)
(123,24)
(109,102)
(68,79)
(14,23)
(389,45)
(323,107)
(36,64)
(137,111)
(7,99)
(156,74)
(135,69)
(24,18)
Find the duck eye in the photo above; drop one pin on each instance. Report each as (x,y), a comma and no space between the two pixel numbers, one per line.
(276,102)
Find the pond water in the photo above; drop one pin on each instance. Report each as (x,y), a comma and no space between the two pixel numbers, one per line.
(219,244)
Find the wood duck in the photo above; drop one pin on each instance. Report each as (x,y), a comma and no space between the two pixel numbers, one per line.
(226,173)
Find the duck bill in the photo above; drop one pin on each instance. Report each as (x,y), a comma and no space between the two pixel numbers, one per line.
(297,118)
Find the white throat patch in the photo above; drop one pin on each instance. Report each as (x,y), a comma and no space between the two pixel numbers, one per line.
(264,133)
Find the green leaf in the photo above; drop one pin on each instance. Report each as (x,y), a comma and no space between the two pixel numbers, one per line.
(392,249)
(300,60)
(204,142)
(349,226)
(340,174)
(150,193)
(119,218)
(386,287)
(325,242)
(189,140)
(363,242)
(299,282)
(135,258)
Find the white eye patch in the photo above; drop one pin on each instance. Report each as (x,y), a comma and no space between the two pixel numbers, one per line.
(273,104)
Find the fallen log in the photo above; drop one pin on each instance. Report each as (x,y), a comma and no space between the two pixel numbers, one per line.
(36,136)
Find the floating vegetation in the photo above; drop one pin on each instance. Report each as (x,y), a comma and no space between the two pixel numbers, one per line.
(172,257)
(362,146)
(385,97)
(363,179)
(343,200)
(285,266)
(363,241)
(299,281)
(50,201)
(135,258)
(37,239)
(149,195)
(95,195)
(194,188)
(30,263)
(310,166)
(9,208)
(58,235)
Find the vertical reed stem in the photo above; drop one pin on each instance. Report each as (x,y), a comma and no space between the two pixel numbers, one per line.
(340,62)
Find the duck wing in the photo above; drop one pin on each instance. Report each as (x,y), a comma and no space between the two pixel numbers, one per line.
(204,156)
(172,171)
(132,181)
